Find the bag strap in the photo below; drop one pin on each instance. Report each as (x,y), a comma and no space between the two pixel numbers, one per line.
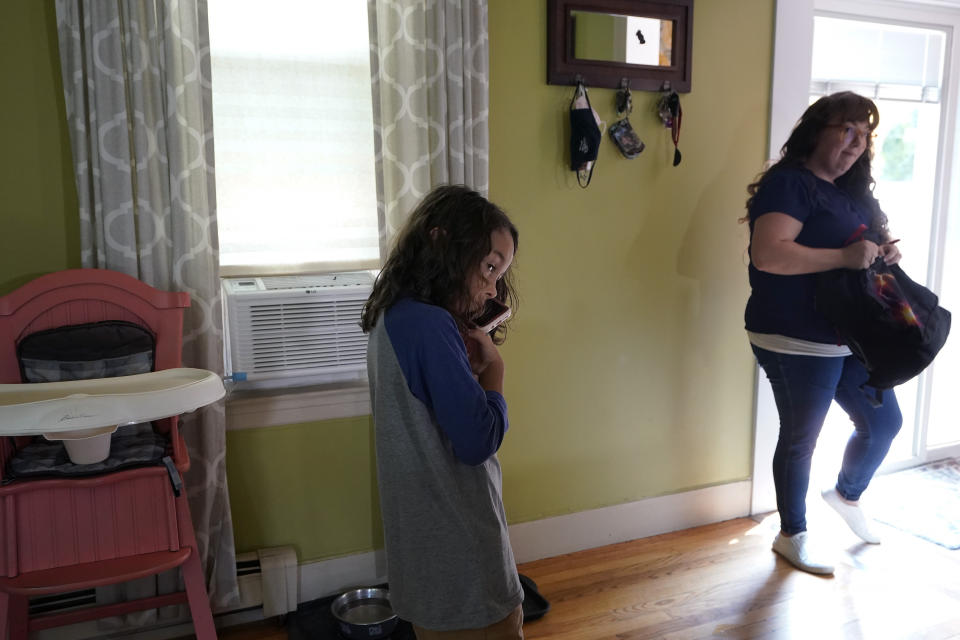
(581,89)
(677,111)
(875,398)
(589,176)
(856,236)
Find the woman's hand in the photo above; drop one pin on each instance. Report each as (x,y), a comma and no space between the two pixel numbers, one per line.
(890,252)
(860,255)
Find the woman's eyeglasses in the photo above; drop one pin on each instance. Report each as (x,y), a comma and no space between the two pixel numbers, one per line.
(850,133)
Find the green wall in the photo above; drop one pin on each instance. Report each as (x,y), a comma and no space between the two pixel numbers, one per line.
(309,485)
(39,230)
(628,372)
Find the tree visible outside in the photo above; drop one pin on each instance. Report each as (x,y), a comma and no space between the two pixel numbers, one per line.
(898,152)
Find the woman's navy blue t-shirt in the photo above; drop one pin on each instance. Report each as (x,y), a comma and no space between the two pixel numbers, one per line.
(785,304)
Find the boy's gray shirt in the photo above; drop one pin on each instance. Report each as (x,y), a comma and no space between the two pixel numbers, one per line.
(449,561)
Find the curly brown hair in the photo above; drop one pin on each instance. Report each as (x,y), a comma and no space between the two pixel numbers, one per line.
(844,106)
(439,248)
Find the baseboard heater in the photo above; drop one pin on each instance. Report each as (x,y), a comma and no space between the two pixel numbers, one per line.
(267,578)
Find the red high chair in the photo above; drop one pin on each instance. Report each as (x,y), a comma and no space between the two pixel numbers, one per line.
(65,534)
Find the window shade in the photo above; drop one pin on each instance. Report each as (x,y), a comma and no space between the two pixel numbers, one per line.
(293,132)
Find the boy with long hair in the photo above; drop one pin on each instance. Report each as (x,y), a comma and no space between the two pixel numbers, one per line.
(436,386)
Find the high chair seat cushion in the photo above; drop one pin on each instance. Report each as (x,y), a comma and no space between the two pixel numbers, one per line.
(132,446)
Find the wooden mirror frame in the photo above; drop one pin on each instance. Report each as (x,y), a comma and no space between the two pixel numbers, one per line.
(564,69)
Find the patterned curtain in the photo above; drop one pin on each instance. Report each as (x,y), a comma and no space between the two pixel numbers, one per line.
(429,66)
(136,76)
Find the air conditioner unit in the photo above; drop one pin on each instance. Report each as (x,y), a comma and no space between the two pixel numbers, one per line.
(284,330)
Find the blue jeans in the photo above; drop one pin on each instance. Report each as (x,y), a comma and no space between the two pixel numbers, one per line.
(804,387)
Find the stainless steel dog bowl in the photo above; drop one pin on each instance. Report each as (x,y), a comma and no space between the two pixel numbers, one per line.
(364,613)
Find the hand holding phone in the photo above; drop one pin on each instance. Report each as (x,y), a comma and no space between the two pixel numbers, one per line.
(493,314)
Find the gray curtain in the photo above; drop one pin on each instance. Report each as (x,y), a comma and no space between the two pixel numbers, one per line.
(136,77)
(429,62)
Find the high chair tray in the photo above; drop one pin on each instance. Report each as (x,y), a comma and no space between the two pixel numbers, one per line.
(53,407)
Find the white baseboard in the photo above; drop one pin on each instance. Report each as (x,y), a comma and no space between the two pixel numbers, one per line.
(557,535)
(531,541)
(608,525)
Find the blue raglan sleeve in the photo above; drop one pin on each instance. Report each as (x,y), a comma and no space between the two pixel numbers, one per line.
(434,361)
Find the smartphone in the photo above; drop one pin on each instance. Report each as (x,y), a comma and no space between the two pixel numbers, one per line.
(493,314)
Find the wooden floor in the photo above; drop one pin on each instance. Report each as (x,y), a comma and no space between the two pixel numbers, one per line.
(723,581)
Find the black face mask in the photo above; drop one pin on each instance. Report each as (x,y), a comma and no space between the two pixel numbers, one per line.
(585,136)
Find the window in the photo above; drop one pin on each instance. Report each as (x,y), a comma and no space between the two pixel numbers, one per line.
(293,129)
(295,166)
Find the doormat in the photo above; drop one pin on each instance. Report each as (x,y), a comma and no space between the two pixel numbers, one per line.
(924,501)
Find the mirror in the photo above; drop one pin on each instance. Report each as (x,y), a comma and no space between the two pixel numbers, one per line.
(616,38)
(605,41)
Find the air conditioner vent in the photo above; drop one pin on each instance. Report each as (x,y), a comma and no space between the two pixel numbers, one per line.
(303,326)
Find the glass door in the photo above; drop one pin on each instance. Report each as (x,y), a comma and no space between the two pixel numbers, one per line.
(901,68)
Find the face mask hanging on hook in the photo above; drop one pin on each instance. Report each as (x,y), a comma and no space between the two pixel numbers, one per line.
(585,135)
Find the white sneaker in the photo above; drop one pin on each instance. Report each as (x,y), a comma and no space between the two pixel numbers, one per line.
(853,515)
(800,553)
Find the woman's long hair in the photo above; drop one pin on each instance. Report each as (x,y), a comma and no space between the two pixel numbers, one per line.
(836,108)
(437,252)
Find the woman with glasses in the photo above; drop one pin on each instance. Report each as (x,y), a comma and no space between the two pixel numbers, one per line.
(813,210)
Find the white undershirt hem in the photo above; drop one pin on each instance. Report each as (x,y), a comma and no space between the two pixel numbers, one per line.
(797,347)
